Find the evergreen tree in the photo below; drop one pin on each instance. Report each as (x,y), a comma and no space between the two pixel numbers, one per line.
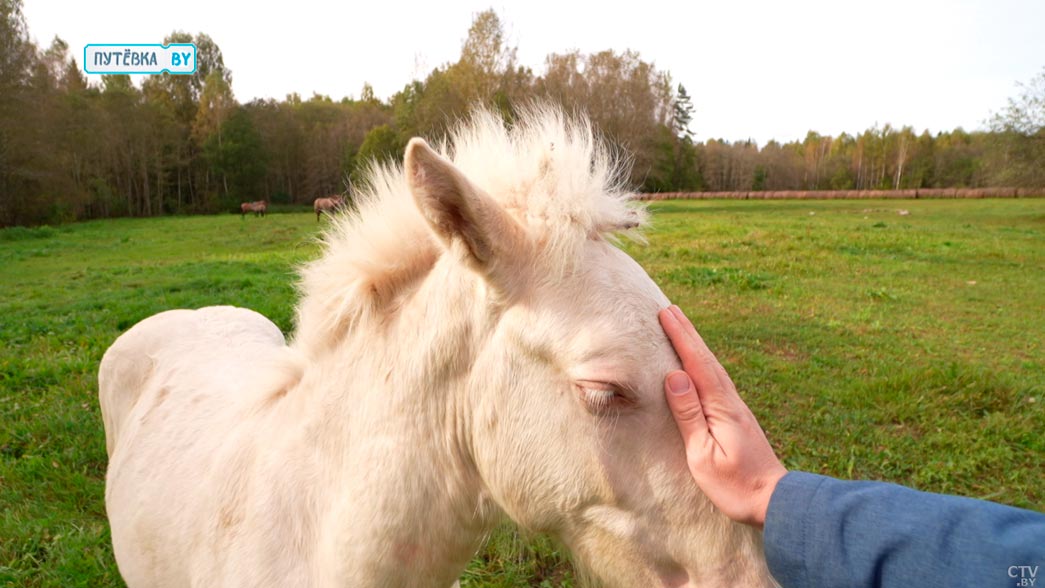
(682,114)
(234,151)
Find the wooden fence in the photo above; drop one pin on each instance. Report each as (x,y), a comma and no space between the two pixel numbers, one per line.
(852,194)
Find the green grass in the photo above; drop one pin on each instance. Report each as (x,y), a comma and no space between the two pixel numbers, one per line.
(870,345)
(874,345)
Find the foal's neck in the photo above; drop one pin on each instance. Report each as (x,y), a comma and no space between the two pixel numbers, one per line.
(409,499)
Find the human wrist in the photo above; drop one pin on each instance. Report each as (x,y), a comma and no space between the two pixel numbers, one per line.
(765,495)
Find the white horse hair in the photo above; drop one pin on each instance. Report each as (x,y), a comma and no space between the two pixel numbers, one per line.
(470,345)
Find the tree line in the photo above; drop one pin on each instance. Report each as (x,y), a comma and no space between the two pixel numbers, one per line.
(178,144)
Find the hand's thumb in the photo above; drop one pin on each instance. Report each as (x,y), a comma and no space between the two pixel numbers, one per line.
(685,405)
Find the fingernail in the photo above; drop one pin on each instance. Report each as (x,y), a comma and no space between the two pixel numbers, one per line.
(678,382)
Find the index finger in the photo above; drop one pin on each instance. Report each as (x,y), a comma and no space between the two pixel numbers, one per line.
(691,331)
(697,359)
(687,326)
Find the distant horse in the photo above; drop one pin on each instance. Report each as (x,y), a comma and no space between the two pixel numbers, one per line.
(470,347)
(258,207)
(327,205)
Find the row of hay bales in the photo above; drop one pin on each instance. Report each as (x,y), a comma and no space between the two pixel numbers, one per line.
(852,194)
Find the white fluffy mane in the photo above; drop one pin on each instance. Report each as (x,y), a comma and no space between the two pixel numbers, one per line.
(549,171)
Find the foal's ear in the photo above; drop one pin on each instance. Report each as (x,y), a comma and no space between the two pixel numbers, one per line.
(463,216)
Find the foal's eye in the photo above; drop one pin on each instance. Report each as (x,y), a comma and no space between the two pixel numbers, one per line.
(600,397)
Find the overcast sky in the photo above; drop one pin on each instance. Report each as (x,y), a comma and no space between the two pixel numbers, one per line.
(756,69)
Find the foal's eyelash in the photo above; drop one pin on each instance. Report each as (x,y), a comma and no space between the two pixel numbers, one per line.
(600,397)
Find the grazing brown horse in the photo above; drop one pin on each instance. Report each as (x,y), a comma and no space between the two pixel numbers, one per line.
(327,205)
(258,207)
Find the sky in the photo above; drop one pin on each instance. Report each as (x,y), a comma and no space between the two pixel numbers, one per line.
(756,69)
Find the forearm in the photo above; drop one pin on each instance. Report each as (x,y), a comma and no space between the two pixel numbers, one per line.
(825,532)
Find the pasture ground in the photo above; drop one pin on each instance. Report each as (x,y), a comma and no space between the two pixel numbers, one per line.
(869,344)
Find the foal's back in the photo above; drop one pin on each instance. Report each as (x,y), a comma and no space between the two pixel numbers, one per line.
(184,396)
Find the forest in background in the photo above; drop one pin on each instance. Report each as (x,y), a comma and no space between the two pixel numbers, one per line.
(75,149)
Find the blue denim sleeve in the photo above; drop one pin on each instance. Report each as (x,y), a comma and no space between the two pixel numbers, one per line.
(823,532)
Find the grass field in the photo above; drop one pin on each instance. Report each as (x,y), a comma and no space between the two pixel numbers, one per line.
(870,345)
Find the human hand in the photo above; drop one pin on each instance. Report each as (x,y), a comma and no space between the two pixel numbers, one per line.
(727,452)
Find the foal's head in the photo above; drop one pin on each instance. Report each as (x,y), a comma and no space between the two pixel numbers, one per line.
(490,263)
